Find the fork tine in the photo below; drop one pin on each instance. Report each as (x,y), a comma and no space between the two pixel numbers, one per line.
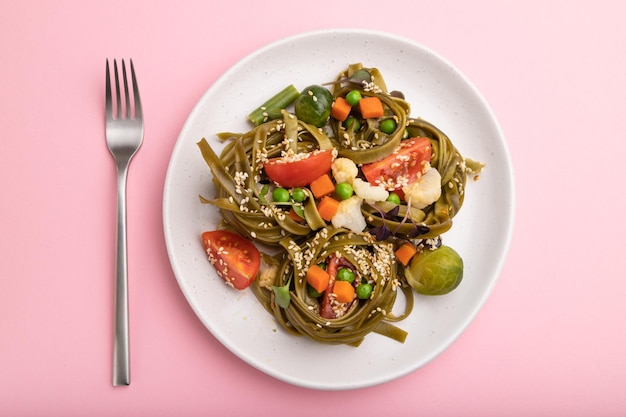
(108,101)
(118,99)
(138,112)
(127,108)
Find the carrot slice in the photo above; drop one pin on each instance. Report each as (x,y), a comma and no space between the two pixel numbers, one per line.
(317,278)
(405,252)
(371,107)
(344,291)
(327,208)
(322,186)
(341,109)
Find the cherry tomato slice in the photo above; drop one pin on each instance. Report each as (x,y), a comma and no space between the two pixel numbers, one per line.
(402,167)
(290,172)
(234,257)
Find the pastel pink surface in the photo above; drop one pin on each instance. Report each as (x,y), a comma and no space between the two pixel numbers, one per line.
(550,339)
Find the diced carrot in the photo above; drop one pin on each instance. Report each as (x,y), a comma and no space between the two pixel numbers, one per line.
(322,186)
(341,109)
(317,278)
(344,291)
(294,216)
(371,107)
(327,208)
(405,252)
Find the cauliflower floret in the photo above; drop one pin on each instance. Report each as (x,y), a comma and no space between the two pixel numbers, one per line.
(267,273)
(349,215)
(268,270)
(368,192)
(425,190)
(344,170)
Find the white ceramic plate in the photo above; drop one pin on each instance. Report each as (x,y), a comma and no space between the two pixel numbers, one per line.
(439,93)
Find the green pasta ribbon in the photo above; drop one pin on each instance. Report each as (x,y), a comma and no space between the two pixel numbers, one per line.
(374,262)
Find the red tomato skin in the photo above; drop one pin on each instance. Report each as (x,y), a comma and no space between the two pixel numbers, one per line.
(301,172)
(406,163)
(234,257)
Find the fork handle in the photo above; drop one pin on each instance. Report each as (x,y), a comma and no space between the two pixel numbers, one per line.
(121,357)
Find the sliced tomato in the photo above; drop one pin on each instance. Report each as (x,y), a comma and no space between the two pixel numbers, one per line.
(402,167)
(299,170)
(234,257)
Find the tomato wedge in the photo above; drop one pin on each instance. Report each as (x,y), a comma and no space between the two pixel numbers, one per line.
(402,167)
(299,170)
(234,257)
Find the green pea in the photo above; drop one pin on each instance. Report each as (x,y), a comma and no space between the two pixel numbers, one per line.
(353,97)
(298,195)
(280,195)
(352,121)
(364,291)
(388,126)
(394,198)
(345,274)
(343,190)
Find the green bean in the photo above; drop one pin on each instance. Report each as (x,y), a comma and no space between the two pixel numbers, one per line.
(274,105)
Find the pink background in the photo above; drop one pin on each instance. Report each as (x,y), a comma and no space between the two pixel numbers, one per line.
(550,341)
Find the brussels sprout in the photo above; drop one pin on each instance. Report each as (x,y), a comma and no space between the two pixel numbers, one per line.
(314,104)
(435,272)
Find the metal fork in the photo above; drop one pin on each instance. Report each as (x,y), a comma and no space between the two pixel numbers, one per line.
(124,134)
